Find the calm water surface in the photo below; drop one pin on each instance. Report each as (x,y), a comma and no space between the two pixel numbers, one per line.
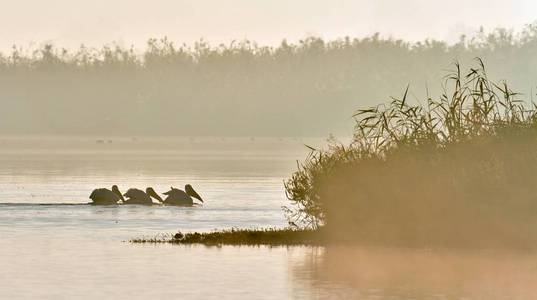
(54,246)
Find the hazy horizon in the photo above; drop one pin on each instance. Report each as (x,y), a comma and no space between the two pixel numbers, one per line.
(309,86)
(94,23)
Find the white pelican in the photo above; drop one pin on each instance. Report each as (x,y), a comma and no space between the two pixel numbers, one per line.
(136,196)
(106,196)
(181,198)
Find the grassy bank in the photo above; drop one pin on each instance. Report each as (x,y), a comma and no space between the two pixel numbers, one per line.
(270,236)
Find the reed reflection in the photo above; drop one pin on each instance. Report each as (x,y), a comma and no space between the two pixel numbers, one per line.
(396,273)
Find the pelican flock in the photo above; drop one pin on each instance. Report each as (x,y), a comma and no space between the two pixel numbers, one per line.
(176,197)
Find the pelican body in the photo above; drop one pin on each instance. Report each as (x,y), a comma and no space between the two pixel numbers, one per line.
(136,196)
(105,196)
(178,197)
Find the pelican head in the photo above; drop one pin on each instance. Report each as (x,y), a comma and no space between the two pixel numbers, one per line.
(116,191)
(192,193)
(151,192)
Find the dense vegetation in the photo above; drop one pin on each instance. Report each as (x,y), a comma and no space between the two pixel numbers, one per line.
(302,89)
(454,170)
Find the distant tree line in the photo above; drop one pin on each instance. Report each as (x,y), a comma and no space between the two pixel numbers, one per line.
(308,88)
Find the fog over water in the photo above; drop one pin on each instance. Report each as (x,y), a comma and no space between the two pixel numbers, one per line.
(54,246)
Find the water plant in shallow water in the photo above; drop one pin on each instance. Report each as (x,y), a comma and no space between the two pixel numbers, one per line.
(235,236)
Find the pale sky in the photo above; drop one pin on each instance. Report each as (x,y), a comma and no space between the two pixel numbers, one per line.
(70,23)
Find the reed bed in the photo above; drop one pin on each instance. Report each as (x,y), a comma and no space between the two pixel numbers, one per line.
(457,170)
